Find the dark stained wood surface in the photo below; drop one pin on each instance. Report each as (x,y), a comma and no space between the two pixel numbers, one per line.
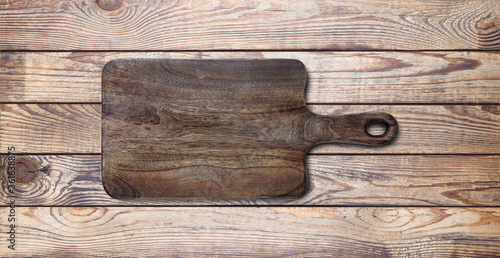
(251,25)
(352,180)
(451,77)
(216,129)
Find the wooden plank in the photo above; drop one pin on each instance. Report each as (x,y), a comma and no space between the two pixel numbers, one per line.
(51,128)
(359,180)
(257,231)
(423,129)
(48,77)
(334,77)
(251,25)
(427,129)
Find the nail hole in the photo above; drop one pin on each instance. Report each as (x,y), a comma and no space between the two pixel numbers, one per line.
(376,129)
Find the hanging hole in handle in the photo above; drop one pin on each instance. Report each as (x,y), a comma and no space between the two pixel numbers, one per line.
(376,128)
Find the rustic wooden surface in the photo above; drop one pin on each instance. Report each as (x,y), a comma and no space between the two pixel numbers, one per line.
(423,129)
(51,128)
(333,77)
(447,102)
(352,180)
(257,231)
(216,129)
(251,25)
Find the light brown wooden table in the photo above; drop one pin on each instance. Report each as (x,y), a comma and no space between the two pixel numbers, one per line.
(434,65)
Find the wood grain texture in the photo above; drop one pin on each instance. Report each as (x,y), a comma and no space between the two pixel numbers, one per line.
(250,25)
(333,77)
(423,129)
(342,78)
(448,129)
(215,129)
(354,180)
(255,231)
(51,128)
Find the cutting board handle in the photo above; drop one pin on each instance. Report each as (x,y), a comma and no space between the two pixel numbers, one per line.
(351,128)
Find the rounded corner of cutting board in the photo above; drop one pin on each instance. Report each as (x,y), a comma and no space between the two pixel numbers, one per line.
(115,187)
(109,66)
(107,184)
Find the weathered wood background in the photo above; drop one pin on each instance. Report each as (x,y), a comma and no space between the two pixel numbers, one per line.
(433,65)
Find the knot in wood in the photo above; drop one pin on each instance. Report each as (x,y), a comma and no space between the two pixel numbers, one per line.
(110,5)
(25,171)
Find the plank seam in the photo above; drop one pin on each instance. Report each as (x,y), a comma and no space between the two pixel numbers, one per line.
(307,103)
(309,154)
(251,50)
(255,206)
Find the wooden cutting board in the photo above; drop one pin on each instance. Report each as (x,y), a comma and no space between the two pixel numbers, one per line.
(216,129)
